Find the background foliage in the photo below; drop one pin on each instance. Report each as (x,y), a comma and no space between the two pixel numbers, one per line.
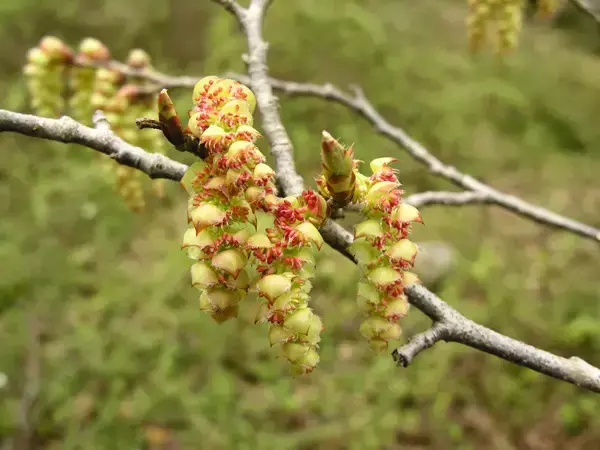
(102,343)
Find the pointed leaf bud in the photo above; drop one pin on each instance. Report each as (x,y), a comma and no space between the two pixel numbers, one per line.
(334,156)
(169,119)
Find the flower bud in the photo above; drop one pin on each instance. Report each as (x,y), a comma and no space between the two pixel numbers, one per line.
(279,334)
(368,228)
(409,278)
(93,49)
(203,276)
(403,250)
(206,215)
(299,321)
(56,50)
(310,234)
(138,59)
(381,164)
(406,213)
(364,252)
(235,113)
(259,240)
(231,261)
(202,87)
(384,276)
(272,286)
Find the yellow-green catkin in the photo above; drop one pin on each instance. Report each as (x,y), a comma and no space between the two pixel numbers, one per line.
(45,74)
(502,17)
(143,106)
(82,79)
(122,111)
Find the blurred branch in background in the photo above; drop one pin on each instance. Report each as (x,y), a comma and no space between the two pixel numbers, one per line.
(589,7)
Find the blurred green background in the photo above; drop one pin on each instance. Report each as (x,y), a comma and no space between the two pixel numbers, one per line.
(102,345)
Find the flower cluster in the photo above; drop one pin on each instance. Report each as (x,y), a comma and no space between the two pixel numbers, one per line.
(505,16)
(381,245)
(230,191)
(62,81)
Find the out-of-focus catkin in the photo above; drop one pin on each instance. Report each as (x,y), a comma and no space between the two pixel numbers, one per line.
(502,20)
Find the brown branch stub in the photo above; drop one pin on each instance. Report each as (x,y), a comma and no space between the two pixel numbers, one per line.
(419,342)
(145,123)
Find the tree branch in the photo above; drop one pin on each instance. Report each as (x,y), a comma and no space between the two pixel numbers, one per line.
(100,138)
(452,325)
(447,198)
(586,7)
(251,20)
